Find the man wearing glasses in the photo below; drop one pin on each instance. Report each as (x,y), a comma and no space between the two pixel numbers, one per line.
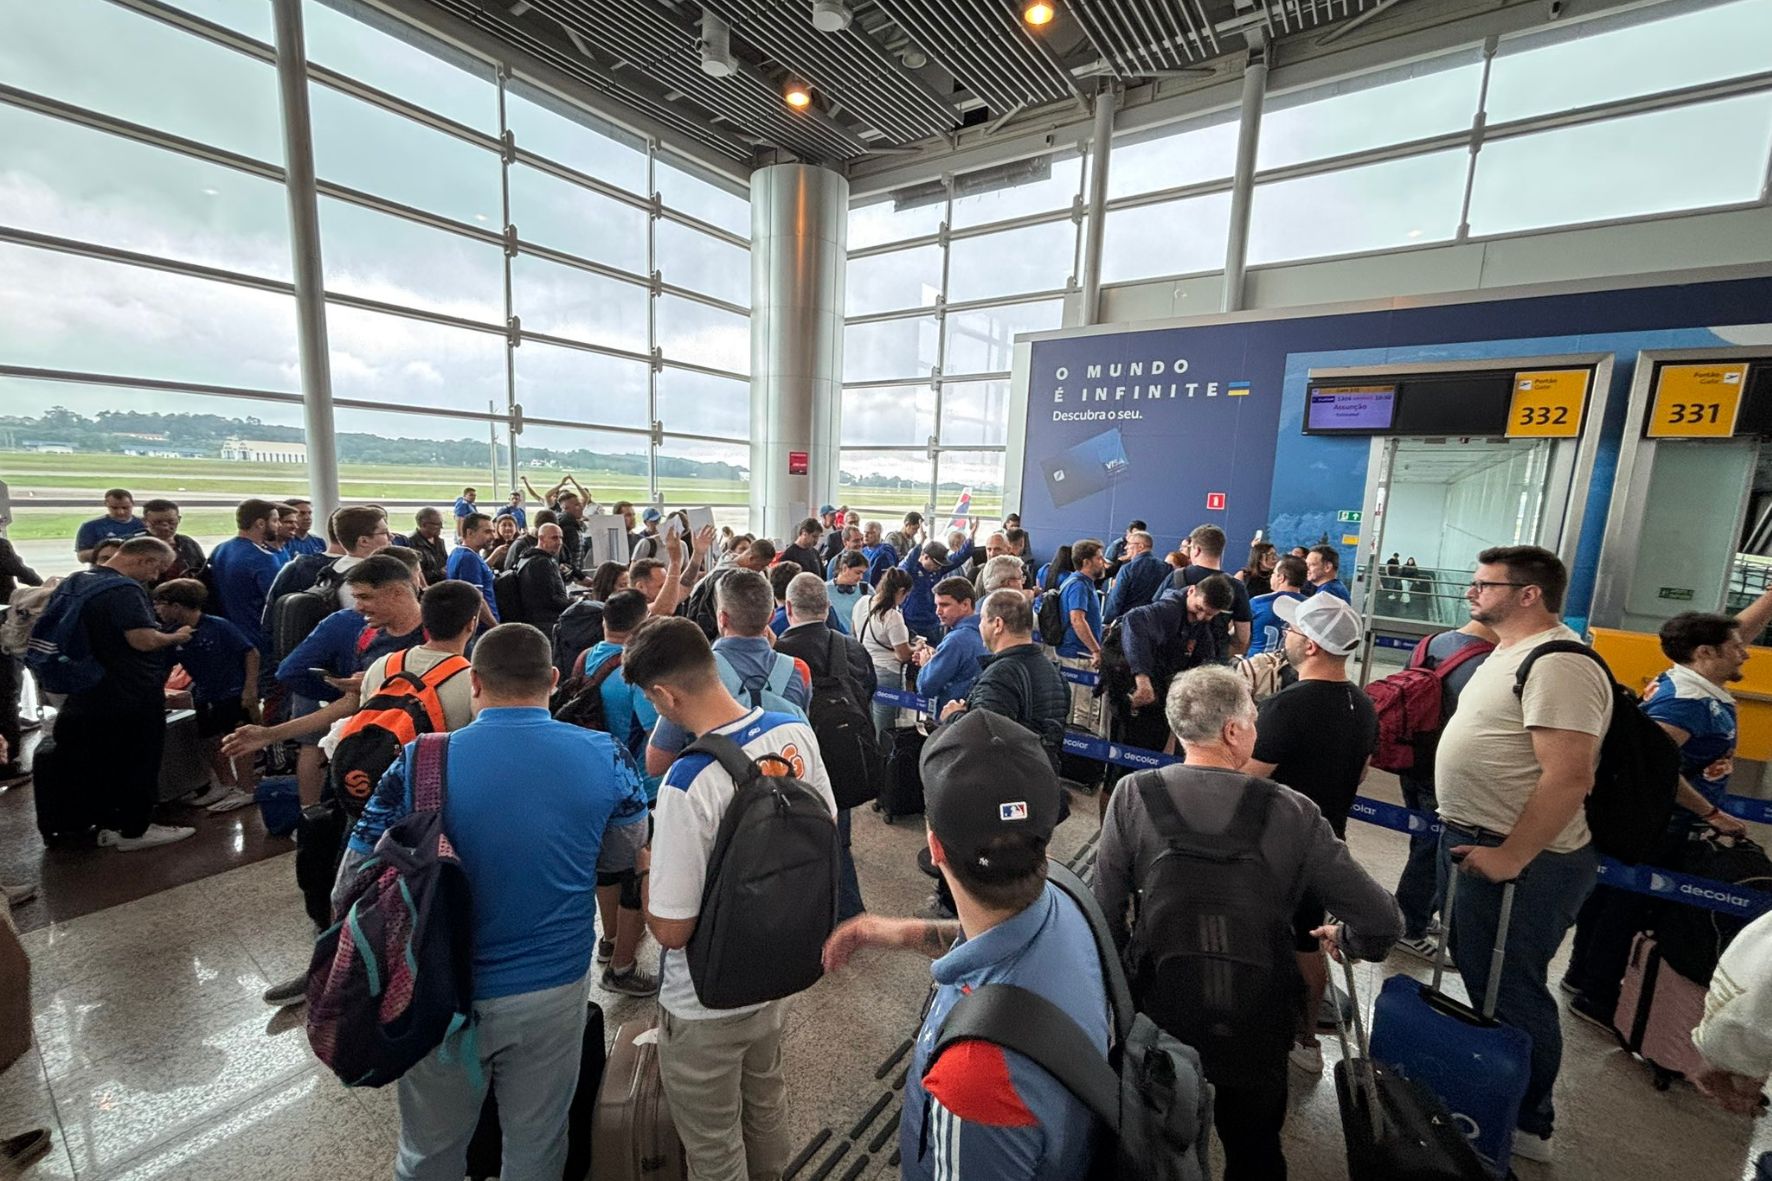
(1513,773)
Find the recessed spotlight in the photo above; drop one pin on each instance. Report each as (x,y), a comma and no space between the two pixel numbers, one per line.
(797,95)
(1039,12)
(212,192)
(831,16)
(1414,233)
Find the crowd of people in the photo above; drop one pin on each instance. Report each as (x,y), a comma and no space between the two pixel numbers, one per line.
(606,673)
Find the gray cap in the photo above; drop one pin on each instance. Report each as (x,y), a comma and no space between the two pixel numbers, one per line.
(1324,619)
(935,551)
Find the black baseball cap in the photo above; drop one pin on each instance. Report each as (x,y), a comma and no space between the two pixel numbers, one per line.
(984,775)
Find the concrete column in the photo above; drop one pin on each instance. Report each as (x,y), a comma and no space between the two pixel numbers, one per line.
(1243,183)
(799,232)
(304,246)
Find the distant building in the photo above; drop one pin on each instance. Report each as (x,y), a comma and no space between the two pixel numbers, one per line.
(264,451)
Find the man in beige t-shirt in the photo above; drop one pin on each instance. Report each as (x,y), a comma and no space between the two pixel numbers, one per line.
(1513,774)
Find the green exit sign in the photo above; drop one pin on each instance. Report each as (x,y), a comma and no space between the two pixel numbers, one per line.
(1348,516)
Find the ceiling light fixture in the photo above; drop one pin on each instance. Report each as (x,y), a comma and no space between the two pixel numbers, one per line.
(831,16)
(1039,12)
(797,95)
(716,47)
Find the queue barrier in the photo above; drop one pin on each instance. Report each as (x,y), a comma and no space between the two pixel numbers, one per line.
(1638,879)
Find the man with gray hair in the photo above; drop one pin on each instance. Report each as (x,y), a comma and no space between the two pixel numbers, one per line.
(1209,810)
(839,666)
(1019,680)
(1005,572)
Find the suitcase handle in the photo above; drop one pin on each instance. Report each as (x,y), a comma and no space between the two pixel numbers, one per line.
(1497,955)
(1374,1110)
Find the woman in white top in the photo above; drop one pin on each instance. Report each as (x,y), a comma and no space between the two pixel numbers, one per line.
(880,626)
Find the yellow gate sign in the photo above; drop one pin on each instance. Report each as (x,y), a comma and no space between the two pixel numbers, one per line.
(1696,401)
(1548,404)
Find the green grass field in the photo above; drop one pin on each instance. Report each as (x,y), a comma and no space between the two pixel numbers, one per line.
(86,476)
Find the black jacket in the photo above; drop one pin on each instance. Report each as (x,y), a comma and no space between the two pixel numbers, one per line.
(12,572)
(542,589)
(433,557)
(813,643)
(1023,685)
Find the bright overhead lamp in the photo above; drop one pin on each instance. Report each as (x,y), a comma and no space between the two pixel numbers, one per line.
(797,95)
(1038,12)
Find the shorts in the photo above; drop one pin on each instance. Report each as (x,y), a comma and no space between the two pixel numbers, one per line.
(621,851)
(217,719)
(301,707)
(1307,918)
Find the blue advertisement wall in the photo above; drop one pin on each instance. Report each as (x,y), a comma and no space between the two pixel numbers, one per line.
(1194,425)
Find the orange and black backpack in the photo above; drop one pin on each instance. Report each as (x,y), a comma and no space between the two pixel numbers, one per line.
(405,706)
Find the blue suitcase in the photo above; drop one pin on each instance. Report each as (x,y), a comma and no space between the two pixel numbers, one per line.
(1477,1066)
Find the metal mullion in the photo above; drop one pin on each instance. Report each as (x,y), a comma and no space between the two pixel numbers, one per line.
(999,301)
(1661,100)
(1162,196)
(549,254)
(667,435)
(712,301)
(963,378)
(886,383)
(1477,128)
(880,248)
(585,346)
(436,221)
(393,104)
(428,411)
(705,370)
(982,448)
(1399,151)
(690,221)
(584,180)
(511,338)
(922,313)
(77,377)
(918,448)
(150,262)
(406,313)
(123,129)
(1011,223)
(941,336)
(574,425)
(653,345)
(208,30)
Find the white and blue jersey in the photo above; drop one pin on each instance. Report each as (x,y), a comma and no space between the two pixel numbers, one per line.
(691,803)
(1267,629)
(1682,698)
(983,1112)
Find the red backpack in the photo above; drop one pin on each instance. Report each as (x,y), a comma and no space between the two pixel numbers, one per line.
(1411,705)
(404,707)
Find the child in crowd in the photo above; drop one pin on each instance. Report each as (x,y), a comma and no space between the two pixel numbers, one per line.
(223,667)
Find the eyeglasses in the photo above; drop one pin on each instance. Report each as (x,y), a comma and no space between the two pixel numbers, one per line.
(1479,585)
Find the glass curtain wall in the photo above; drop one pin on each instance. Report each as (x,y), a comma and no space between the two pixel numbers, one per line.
(478,295)
(939,282)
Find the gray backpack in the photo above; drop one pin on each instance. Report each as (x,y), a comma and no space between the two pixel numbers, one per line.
(1149,1091)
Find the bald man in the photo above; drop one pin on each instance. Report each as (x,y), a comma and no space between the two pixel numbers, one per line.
(541,581)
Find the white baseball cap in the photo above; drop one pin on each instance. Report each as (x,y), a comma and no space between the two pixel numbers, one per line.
(1324,619)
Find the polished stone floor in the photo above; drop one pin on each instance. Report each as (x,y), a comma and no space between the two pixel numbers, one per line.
(156,1058)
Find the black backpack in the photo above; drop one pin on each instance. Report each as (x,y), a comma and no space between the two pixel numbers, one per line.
(294,616)
(507,592)
(1639,771)
(770,899)
(1051,618)
(700,605)
(1211,956)
(846,740)
(1692,939)
(1149,1090)
(577,631)
(579,699)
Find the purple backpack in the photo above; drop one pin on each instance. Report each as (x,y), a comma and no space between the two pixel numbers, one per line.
(393,978)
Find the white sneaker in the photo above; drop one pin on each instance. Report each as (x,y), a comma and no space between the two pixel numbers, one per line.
(235,798)
(1424,947)
(156,834)
(1307,1056)
(209,795)
(1532,1147)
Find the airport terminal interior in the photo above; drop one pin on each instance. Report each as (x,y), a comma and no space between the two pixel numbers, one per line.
(1012,302)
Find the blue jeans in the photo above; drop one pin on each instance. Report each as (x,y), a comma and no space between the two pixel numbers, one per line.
(849,903)
(1421,891)
(529,1051)
(885,719)
(1548,896)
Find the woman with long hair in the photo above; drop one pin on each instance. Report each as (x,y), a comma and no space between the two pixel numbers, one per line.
(1258,572)
(879,625)
(607,579)
(504,535)
(1053,573)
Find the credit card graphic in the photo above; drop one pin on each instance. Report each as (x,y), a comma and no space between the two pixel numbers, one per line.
(1086,468)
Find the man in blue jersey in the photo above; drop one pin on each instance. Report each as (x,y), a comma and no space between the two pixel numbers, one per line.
(530,852)
(513,508)
(464,508)
(305,540)
(927,565)
(1322,564)
(466,563)
(1691,703)
(1266,628)
(980,1111)
(1079,644)
(119,521)
(242,568)
(721,1068)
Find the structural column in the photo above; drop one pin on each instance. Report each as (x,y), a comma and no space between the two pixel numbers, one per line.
(1243,184)
(1101,150)
(304,245)
(799,233)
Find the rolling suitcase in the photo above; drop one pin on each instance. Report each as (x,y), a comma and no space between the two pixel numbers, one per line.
(183,769)
(1471,1062)
(1657,1011)
(60,814)
(1396,1130)
(486,1149)
(901,788)
(631,1123)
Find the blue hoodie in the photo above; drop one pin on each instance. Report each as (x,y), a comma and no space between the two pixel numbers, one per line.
(956,664)
(919,605)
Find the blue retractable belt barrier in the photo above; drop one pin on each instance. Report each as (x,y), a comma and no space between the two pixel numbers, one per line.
(1639,879)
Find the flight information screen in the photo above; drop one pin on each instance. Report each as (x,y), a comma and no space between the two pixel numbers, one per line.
(1362,409)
